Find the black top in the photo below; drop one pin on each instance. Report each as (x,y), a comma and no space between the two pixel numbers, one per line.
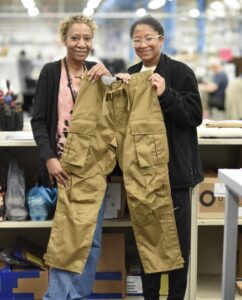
(45,114)
(182,109)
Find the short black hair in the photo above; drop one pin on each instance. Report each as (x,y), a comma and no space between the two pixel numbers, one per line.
(148,20)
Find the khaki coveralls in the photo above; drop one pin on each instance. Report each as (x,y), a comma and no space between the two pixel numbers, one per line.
(124,123)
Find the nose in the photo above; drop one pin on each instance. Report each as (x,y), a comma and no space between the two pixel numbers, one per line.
(81,43)
(142,44)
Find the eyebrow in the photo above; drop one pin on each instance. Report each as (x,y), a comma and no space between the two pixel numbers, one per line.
(148,34)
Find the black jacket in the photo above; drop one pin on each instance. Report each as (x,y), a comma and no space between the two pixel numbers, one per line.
(45,116)
(182,109)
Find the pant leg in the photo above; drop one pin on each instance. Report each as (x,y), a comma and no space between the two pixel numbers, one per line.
(88,157)
(65,285)
(182,209)
(146,178)
(150,285)
(177,278)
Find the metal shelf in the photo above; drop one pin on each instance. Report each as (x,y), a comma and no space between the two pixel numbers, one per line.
(48,224)
(17,139)
(214,222)
(217,141)
(23,139)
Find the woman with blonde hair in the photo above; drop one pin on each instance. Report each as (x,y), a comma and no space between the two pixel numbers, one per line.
(55,96)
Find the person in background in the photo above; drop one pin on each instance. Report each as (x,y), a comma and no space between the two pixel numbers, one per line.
(58,85)
(25,68)
(177,93)
(216,87)
(233,100)
(27,83)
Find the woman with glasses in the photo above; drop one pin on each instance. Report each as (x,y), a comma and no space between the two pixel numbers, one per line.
(57,90)
(177,93)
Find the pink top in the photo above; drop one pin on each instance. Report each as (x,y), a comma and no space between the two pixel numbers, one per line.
(65,107)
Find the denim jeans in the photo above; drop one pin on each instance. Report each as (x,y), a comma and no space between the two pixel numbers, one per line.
(65,285)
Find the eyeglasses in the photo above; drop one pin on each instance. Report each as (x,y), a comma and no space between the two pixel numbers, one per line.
(147,40)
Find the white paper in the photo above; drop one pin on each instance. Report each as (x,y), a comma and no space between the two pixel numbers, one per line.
(19,136)
(219,189)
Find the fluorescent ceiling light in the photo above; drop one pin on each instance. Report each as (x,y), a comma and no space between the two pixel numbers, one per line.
(155,4)
(33,11)
(28,3)
(217,5)
(194,13)
(140,12)
(88,11)
(93,3)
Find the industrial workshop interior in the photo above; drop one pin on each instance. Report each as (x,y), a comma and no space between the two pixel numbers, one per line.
(110,113)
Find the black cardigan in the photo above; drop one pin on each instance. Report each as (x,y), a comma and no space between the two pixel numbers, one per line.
(45,116)
(182,109)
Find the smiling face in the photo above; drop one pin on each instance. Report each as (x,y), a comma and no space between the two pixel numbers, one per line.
(78,42)
(148,49)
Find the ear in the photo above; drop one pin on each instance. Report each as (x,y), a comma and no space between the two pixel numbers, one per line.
(161,39)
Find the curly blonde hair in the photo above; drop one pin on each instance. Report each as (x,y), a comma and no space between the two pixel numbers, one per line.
(67,22)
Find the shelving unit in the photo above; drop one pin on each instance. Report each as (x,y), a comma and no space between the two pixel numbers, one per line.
(216,153)
(207,234)
(48,224)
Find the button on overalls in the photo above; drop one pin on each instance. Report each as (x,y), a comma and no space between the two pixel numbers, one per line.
(110,123)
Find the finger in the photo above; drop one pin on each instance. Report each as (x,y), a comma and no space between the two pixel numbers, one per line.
(60,180)
(65,175)
(98,74)
(92,73)
(95,75)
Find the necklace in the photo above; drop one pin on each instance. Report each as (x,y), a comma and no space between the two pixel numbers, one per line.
(73,92)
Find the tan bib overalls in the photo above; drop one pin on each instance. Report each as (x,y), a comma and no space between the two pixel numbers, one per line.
(110,123)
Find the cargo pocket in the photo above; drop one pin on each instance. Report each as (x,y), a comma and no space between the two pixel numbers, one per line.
(78,141)
(150,143)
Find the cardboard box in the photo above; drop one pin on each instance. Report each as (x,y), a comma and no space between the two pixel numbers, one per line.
(239,286)
(239,255)
(211,196)
(31,253)
(110,280)
(22,284)
(115,199)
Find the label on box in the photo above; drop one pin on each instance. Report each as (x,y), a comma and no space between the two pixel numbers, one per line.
(219,189)
(134,285)
(112,202)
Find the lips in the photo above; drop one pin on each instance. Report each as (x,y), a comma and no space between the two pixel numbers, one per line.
(145,53)
(80,52)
